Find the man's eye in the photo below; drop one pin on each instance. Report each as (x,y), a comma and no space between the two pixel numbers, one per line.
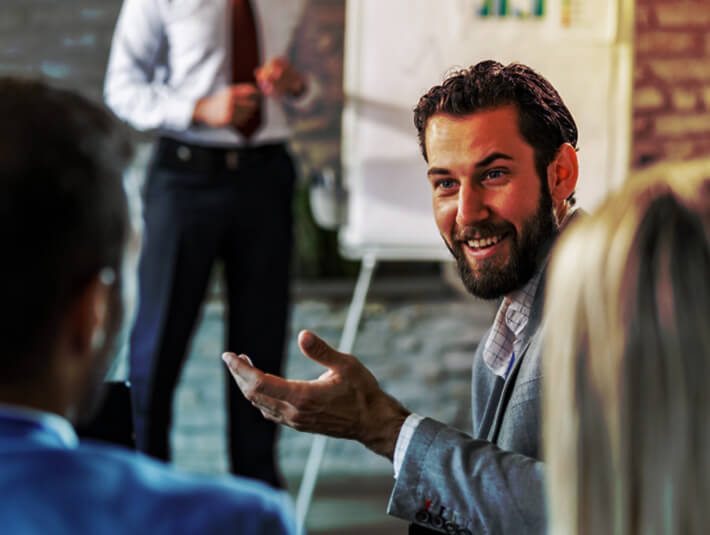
(494,174)
(445,183)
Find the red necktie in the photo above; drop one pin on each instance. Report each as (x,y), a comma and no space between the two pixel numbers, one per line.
(245,55)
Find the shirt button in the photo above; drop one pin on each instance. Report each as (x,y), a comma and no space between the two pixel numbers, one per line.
(422,516)
(184,153)
(231,160)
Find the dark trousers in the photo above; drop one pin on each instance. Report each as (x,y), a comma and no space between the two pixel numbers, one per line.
(202,205)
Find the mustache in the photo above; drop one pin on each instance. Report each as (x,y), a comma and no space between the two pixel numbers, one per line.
(485,229)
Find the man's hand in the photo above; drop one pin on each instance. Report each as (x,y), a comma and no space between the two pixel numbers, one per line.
(344,402)
(231,106)
(278,77)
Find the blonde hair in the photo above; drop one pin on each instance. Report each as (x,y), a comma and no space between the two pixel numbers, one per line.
(627,355)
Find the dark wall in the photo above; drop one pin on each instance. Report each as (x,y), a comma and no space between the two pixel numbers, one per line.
(66,41)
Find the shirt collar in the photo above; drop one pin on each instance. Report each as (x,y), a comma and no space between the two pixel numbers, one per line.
(509,325)
(519,305)
(512,318)
(53,423)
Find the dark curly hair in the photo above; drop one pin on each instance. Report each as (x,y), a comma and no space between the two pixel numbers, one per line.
(544,120)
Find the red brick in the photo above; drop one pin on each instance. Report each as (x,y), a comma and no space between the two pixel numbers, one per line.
(648,98)
(684,99)
(675,14)
(675,70)
(643,18)
(678,150)
(706,96)
(664,42)
(647,152)
(702,147)
(642,127)
(641,72)
(683,125)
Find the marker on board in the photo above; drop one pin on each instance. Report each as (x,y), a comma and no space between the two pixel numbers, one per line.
(539,8)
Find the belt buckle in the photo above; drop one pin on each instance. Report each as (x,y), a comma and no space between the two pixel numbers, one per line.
(231,159)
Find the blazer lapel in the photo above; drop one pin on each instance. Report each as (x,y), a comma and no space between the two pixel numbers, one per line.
(509,385)
(491,409)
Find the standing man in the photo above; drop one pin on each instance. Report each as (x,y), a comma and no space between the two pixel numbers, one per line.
(70,249)
(211,78)
(502,163)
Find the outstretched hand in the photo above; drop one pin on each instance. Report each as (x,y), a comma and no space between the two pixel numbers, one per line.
(344,402)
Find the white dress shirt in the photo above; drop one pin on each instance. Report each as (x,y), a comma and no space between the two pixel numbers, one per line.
(508,326)
(167,54)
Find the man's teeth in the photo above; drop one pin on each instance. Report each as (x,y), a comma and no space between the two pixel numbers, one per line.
(485,242)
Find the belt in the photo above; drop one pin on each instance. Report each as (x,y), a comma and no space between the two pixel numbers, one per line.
(186,156)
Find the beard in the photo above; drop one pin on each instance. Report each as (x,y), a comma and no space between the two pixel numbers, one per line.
(528,249)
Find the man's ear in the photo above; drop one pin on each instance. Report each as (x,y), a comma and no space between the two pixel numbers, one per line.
(562,173)
(88,317)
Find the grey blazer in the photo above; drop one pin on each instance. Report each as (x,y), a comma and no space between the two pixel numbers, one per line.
(494,483)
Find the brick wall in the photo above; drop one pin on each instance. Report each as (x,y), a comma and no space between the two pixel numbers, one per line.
(671,94)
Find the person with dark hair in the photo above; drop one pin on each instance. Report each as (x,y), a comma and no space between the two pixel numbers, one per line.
(502,163)
(626,401)
(211,79)
(70,237)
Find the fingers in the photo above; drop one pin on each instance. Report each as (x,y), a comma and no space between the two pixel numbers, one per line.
(277,77)
(260,389)
(244,90)
(241,369)
(256,384)
(316,349)
(244,97)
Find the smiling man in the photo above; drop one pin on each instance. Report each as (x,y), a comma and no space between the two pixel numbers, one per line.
(501,150)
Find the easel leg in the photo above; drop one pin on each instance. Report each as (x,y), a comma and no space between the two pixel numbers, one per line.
(347,340)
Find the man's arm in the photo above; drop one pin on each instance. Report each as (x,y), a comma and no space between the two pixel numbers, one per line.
(344,402)
(447,476)
(475,482)
(130,89)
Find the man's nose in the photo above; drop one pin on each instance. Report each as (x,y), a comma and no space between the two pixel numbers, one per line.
(472,206)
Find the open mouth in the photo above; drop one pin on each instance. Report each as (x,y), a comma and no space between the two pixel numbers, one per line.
(485,243)
(480,248)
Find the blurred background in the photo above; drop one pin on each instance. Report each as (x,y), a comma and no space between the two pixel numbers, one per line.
(418,330)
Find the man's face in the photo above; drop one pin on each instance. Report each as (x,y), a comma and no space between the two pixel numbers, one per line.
(493,211)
